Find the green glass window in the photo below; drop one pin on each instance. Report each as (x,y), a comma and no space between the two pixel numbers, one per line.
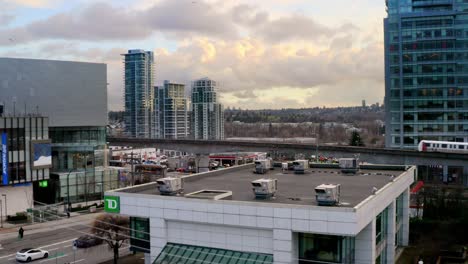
(179,253)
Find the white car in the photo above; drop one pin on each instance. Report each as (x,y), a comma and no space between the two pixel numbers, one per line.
(29,254)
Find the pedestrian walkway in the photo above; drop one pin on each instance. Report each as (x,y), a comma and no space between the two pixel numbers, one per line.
(11,230)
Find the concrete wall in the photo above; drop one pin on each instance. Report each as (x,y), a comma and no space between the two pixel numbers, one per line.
(18,198)
(69,93)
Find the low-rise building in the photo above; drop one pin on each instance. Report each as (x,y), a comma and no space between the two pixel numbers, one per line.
(218,218)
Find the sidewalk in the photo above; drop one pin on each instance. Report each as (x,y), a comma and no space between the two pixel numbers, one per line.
(11,231)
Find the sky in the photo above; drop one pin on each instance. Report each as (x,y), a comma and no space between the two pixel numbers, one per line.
(263,53)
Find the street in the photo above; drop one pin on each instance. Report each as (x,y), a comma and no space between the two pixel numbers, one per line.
(59,244)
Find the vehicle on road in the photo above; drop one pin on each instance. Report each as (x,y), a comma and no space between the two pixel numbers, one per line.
(30,254)
(86,241)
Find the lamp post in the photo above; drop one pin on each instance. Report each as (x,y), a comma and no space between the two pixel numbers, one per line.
(6,209)
(1,214)
(68,190)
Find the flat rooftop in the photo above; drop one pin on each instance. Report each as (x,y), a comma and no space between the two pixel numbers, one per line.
(292,188)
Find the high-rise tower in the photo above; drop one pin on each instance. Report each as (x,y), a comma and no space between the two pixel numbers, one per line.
(426,71)
(207,113)
(139,93)
(171,114)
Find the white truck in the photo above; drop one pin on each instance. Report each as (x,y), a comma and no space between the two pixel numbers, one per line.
(300,166)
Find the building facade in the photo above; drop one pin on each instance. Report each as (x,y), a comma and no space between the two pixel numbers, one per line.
(74,97)
(426,71)
(171,113)
(139,93)
(369,226)
(207,113)
(26,160)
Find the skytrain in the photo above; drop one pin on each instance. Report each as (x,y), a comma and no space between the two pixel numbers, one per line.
(443,146)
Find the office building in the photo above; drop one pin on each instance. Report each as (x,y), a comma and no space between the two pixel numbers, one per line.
(220,217)
(207,112)
(171,113)
(426,71)
(73,95)
(139,93)
(26,159)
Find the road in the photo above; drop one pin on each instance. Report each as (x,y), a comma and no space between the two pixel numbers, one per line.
(59,244)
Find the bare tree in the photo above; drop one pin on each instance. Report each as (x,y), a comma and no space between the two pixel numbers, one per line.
(113,229)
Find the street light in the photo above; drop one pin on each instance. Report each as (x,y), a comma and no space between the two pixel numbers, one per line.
(68,190)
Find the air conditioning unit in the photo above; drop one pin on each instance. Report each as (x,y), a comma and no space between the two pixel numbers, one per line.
(349,165)
(263,166)
(265,188)
(169,186)
(300,166)
(327,194)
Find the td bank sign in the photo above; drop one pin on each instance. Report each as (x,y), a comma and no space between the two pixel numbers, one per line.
(112,204)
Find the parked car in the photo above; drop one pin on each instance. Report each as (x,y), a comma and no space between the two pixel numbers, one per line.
(29,254)
(86,241)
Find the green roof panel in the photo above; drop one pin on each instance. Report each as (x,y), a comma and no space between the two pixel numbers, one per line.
(179,253)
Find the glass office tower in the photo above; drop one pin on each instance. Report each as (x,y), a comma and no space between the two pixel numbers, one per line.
(139,93)
(426,71)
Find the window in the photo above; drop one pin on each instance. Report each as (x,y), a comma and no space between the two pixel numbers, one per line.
(320,248)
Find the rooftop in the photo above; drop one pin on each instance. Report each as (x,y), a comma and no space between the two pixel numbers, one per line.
(292,188)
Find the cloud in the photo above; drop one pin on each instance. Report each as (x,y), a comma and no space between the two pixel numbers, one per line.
(102,21)
(260,59)
(6,19)
(31,3)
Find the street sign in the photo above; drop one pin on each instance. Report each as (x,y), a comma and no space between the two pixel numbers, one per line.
(112,204)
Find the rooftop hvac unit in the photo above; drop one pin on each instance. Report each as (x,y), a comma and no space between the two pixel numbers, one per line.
(350,165)
(262,166)
(170,186)
(265,188)
(300,166)
(327,194)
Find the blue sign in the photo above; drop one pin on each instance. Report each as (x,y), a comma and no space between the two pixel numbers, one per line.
(5,158)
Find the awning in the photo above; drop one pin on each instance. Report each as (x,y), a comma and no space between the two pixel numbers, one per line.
(186,254)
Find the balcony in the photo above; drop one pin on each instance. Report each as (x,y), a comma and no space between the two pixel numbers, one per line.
(426,3)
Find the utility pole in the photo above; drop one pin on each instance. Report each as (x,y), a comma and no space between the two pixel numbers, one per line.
(133,167)
(1,214)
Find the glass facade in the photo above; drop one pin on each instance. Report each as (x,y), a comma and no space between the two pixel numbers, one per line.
(381,223)
(83,186)
(207,113)
(314,248)
(77,147)
(171,113)
(140,234)
(139,93)
(21,132)
(426,71)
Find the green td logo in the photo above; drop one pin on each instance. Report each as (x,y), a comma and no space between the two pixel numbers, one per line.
(112,204)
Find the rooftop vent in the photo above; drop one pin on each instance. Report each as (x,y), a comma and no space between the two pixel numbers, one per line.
(210,195)
(327,194)
(263,166)
(349,165)
(170,186)
(300,166)
(265,188)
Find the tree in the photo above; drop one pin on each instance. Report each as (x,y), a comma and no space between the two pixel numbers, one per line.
(114,229)
(355,139)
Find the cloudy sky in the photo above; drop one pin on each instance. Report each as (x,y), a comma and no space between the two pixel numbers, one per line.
(264,53)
